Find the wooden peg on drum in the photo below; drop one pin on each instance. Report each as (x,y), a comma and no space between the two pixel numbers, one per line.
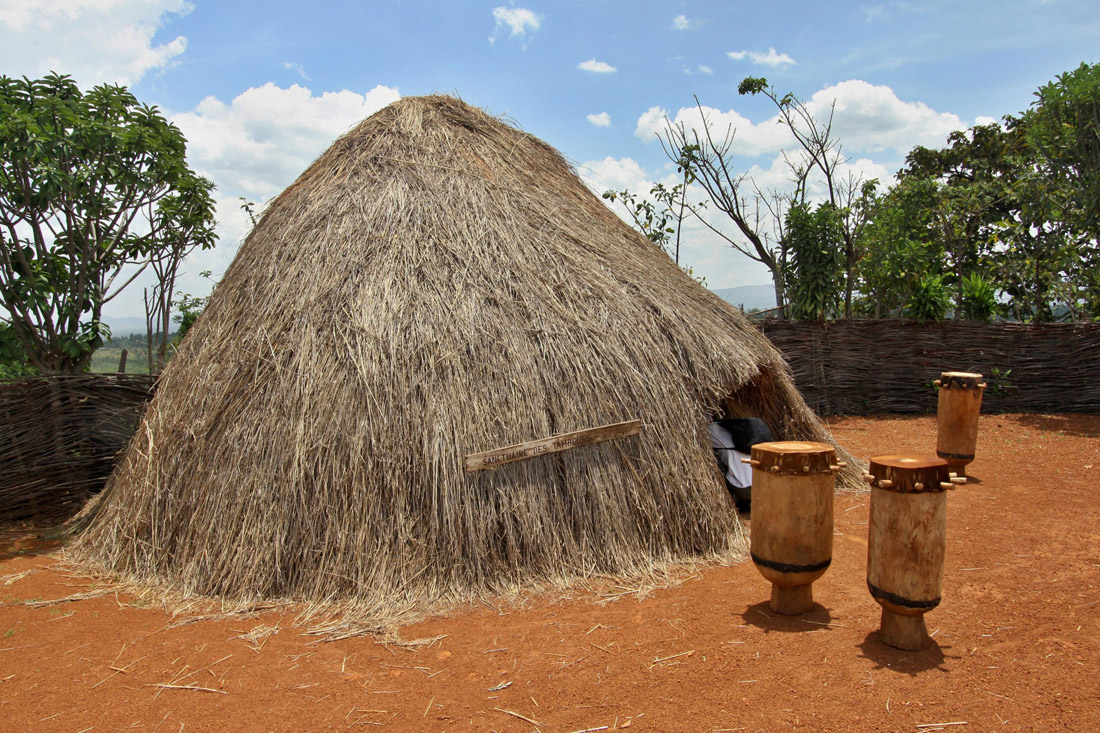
(906,541)
(792,518)
(960,404)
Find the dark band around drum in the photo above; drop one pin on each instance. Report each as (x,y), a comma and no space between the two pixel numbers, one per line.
(786,567)
(899,600)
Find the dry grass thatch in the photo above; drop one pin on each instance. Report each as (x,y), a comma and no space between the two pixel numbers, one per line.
(437,283)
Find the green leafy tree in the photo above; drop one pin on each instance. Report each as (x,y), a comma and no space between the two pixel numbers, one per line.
(898,248)
(972,195)
(1019,205)
(1062,127)
(90,183)
(814,241)
(13,359)
(1062,132)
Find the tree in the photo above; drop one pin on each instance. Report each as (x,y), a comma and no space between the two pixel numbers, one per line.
(999,212)
(972,195)
(13,360)
(823,153)
(1019,204)
(1062,127)
(1062,131)
(898,247)
(813,239)
(180,213)
(661,219)
(89,184)
(733,194)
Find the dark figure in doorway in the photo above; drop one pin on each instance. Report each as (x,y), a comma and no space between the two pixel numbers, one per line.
(732,440)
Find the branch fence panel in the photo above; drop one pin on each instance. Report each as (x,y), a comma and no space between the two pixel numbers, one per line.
(60,438)
(872,367)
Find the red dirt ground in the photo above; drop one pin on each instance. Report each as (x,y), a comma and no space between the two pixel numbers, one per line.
(1015,641)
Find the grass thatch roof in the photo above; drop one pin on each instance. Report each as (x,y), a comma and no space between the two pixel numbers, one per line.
(437,283)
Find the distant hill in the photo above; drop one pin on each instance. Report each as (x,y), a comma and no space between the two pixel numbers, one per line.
(748,297)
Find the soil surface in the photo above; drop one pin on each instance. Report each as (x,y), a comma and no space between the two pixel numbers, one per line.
(1015,642)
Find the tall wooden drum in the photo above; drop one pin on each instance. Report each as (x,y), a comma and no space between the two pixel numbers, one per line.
(960,403)
(792,518)
(907,534)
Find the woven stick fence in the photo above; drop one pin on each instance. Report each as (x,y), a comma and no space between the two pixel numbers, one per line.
(60,438)
(869,367)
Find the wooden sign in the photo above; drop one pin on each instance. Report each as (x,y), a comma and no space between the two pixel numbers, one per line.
(553,444)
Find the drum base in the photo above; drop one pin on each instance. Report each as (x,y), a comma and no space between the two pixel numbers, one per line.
(792,600)
(903,632)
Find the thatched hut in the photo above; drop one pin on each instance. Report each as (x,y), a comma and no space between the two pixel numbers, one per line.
(437,283)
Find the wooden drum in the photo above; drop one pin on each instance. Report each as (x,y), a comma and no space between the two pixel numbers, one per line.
(960,403)
(792,518)
(907,533)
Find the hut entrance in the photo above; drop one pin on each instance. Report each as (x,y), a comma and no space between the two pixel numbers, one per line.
(744,419)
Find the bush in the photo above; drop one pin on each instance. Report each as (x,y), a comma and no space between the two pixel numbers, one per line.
(930,300)
(979,298)
(13,359)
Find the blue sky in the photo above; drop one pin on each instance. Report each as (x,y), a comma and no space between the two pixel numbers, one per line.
(261,88)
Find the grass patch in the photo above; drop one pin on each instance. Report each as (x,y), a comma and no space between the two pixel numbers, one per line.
(105,360)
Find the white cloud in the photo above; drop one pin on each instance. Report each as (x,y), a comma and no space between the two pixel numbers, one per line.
(867,119)
(297,68)
(749,139)
(983,120)
(600,120)
(683,23)
(596,67)
(254,146)
(771,58)
(517,20)
(96,41)
(871,118)
(258,143)
(614,174)
(704,69)
(651,122)
(865,169)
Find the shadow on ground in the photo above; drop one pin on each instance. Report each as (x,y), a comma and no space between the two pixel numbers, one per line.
(1079,425)
(899,660)
(762,616)
(22,539)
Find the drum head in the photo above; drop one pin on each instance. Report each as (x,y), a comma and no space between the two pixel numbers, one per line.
(909,473)
(794,457)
